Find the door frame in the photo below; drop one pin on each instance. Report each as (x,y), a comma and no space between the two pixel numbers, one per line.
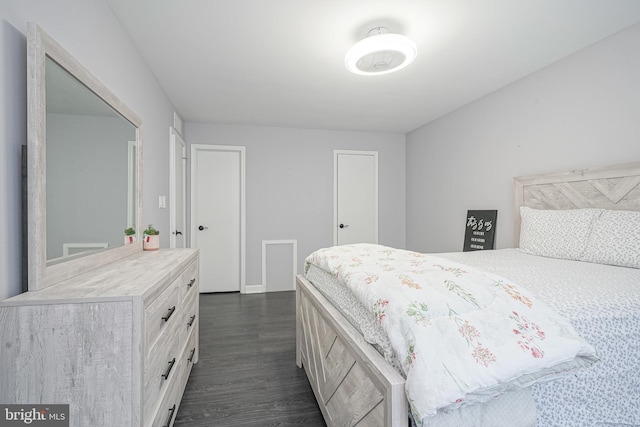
(336,153)
(174,138)
(195,150)
(132,177)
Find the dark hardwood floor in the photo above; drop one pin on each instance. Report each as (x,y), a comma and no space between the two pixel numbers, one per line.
(247,373)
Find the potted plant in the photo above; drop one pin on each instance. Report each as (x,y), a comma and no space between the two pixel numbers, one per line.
(151,241)
(129,236)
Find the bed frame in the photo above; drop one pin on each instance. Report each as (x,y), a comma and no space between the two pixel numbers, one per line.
(352,382)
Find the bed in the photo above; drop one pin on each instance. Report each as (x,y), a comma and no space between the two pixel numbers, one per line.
(570,228)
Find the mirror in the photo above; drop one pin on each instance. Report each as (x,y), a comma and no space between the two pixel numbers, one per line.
(84,168)
(90,163)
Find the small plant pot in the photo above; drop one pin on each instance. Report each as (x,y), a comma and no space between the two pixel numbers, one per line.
(151,243)
(130,239)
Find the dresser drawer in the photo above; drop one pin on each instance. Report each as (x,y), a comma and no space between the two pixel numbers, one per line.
(160,371)
(188,281)
(168,408)
(190,356)
(161,314)
(189,312)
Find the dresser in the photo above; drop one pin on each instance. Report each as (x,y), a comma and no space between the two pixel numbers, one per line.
(117,343)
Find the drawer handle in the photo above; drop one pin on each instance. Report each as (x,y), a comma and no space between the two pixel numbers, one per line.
(191,282)
(169,313)
(166,374)
(172,411)
(193,352)
(193,318)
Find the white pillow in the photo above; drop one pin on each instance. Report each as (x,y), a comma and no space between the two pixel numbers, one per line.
(615,239)
(556,233)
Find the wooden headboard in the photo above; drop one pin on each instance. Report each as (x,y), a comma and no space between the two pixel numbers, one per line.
(611,187)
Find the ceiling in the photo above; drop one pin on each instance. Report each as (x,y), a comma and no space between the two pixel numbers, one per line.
(281,62)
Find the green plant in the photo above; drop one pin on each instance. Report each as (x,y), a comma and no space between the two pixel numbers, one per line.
(151,231)
(129,231)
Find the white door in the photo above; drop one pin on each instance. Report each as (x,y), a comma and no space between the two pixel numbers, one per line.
(177,215)
(355,197)
(217,215)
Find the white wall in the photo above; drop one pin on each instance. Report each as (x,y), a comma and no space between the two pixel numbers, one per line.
(90,32)
(580,112)
(583,111)
(87,166)
(289,180)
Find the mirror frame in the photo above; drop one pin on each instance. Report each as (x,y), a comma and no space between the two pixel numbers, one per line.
(40,275)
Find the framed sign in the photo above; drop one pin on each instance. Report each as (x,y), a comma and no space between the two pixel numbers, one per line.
(480,230)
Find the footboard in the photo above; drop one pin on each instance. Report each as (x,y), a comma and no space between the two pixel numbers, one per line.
(351,381)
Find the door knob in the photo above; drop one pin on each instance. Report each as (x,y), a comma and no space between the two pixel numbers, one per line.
(343,225)
(202,227)
(177,233)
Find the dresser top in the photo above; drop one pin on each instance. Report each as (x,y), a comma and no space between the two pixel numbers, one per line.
(143,275)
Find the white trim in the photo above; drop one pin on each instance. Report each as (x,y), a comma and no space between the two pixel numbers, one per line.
(195,148)
(294,251)
(66,247)
(132,203)
(178,124)
(254,289)
(335,188)
(175,137)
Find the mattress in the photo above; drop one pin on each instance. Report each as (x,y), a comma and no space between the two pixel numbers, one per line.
(603,304)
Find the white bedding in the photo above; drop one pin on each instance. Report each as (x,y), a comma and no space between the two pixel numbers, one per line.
(508,410)
(508,337)
(603,304)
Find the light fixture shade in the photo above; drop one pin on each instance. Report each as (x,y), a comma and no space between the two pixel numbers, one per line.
(381,54)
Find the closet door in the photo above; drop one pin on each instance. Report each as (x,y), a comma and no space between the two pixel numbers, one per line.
(217,221)
(355,197)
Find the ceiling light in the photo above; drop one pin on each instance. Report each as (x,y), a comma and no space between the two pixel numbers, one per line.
(380,53)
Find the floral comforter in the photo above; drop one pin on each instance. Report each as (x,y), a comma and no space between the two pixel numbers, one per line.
(463,335)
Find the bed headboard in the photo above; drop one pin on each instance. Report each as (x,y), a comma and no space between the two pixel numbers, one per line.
(610,187)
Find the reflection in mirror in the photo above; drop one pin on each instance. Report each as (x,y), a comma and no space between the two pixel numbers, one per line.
(90,169)
(84,167)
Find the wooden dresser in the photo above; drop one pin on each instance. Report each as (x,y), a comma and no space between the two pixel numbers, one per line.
(117,343)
